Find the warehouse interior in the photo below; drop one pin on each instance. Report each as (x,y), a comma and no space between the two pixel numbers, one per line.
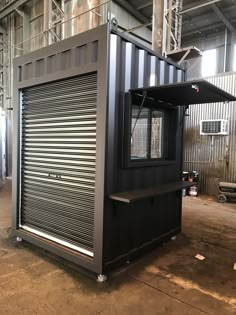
(117,157)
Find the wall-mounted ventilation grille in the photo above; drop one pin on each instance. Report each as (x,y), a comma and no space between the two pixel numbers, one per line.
(214,127)
(59,161)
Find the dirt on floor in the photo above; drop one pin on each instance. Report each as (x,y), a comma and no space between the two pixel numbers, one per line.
(169,280)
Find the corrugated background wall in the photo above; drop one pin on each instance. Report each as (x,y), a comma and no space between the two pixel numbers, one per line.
(2,147)
(214,157)
(1,177)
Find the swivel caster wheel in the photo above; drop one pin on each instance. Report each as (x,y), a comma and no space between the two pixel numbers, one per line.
(19,239)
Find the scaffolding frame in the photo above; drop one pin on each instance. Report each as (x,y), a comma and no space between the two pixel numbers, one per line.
(172,25)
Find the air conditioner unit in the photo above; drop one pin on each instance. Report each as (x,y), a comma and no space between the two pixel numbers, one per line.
(214,127)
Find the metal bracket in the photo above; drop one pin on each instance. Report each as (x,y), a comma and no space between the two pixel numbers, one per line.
(114,23)
(20,12)
(184,56)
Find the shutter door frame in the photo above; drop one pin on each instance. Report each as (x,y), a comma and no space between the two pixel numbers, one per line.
(83,53)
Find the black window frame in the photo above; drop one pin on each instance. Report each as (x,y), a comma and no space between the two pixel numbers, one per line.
(170,114)
(149,118)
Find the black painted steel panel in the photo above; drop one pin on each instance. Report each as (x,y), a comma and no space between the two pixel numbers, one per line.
(149,192)
(187,93)
(132,228)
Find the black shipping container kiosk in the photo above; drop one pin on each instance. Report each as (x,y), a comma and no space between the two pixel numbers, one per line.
(98,142)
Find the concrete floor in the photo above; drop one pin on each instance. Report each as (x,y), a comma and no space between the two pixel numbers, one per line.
(170,280)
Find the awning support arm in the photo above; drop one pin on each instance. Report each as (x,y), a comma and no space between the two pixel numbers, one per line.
(139,112)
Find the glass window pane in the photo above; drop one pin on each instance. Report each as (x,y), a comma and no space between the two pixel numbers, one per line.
(139,133)
(157,135)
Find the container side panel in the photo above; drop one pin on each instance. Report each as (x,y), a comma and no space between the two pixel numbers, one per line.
(128,228)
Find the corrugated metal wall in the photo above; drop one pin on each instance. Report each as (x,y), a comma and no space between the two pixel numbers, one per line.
(2,146)
(144,69)
(1,177)
(213,156)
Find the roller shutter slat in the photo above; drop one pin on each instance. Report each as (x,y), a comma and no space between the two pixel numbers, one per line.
(59,159)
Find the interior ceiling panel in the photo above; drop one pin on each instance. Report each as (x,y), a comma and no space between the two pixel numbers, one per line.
(200,23)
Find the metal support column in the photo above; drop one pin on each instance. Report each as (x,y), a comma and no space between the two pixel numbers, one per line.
(56,12)
(26,26)
(47,5)
(2,69)
(157,25)
(4,90)
(53,16)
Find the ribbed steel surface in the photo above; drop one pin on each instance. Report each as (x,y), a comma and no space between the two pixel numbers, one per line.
(141,68)
(213,156)
(59,159)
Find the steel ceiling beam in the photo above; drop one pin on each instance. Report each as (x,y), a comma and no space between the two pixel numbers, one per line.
(202,30)
(9,8)
(205,29)
(148,4)
(132,10)
(198,6)
(222,17)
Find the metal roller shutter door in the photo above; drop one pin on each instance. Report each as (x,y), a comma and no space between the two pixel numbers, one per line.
(58,161)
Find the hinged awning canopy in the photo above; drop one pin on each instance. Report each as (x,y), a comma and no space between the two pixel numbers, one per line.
(185,93)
